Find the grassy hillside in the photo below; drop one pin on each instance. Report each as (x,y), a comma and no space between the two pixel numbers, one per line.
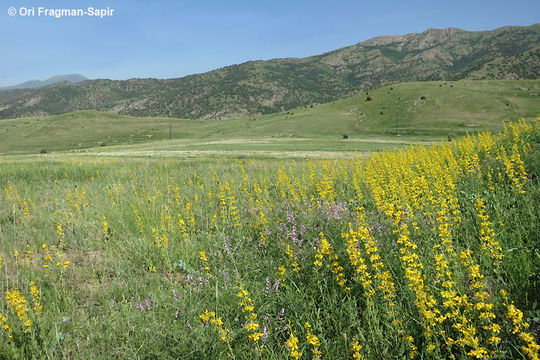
(426,111)
(262,87)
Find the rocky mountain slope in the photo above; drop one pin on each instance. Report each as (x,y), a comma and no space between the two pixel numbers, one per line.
(260,87)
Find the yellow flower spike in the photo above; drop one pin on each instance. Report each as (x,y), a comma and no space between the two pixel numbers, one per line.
(210,317)
(313,340)
(251,326)
(356,350)
(292,259)
(325,249)
(206,265)
(281,274)
(292,346)
(4,325)
(60,236)
(249,314)
(36,296)
(105,225)
(19,306)
(487,234)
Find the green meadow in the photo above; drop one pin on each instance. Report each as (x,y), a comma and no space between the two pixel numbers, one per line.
(424,112)
(315,233)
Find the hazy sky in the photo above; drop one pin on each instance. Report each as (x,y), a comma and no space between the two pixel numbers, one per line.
(174,38)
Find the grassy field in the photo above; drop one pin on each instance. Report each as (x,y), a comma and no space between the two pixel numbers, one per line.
(425,112)
(424,252)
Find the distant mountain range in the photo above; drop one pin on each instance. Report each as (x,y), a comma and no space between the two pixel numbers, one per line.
(9,93)
(35,84)
(259,87)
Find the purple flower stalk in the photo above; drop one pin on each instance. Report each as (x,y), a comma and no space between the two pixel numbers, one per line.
(290,215)
(276,286)
(281,314)
(294,235)
(267,288)
(227,245)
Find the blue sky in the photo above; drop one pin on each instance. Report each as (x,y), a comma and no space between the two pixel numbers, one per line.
(174,38)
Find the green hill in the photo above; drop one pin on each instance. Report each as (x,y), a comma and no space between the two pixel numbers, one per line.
(425,111)
(263,87)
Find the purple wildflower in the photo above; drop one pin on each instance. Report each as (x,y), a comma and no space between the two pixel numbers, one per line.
(377,227)
(267,288)
(148,304)
(227,245)
(290,215)
(281,314)
(276,286)
(294,235)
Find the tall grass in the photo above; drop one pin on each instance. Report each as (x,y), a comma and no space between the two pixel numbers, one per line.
(426,252)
